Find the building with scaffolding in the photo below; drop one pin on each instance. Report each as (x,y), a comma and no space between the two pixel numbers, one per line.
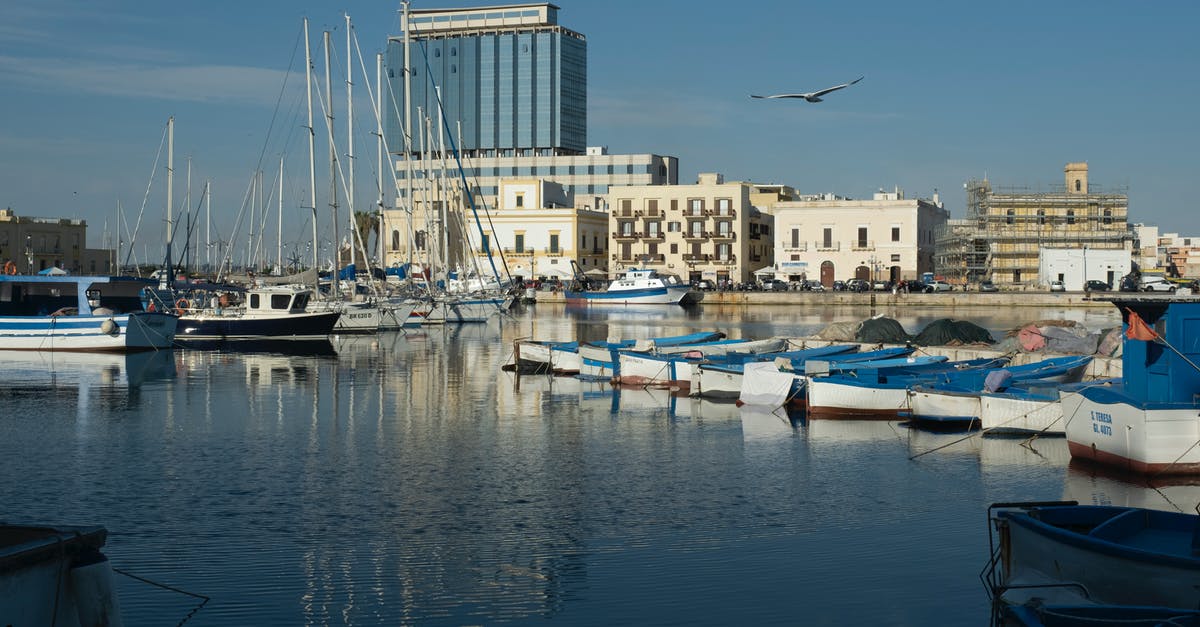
(1006,228)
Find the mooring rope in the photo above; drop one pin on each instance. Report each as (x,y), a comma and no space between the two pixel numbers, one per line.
(203,599)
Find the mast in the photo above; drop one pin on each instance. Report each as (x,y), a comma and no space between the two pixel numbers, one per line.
(312,171)
(443,192)
(208,226)
(120,240)
(333,196)
(379,155)
(170,274)
(279,228)
(350,142)
(187,246)
(408,169)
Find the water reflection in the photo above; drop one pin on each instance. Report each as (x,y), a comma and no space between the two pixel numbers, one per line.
(1090,484)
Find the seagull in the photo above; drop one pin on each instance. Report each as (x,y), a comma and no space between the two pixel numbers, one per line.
(814,96)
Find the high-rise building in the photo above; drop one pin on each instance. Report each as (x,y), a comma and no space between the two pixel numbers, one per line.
(513,82)
(513,89)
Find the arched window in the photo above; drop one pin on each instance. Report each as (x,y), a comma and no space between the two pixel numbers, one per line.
(1078,185)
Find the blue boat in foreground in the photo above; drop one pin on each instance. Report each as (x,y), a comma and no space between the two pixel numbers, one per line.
(1061,563)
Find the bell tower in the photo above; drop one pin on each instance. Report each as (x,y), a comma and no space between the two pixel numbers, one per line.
(1077,182)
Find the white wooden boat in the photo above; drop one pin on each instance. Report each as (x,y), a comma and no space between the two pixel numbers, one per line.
(678,366)
(80,313)
(56,576)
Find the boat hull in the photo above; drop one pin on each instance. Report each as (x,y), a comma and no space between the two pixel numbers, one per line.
(128,332)
(463,311)
(837,399)
(1006,413)
(718,383)
(649,370)
(208,327)
(943,408)
(668,295)
(1109,429)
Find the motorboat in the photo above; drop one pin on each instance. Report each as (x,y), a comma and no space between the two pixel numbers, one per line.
(638,287)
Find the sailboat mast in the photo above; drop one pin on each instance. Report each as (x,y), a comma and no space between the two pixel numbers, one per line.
(312,169)
(208,226)
(408,152)
(350,141)
(170,272)
(380,230)
(187,246)
(333,196)
(443,192)
(279,227)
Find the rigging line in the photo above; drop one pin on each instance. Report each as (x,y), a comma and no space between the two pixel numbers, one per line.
(203,598)
(146,196)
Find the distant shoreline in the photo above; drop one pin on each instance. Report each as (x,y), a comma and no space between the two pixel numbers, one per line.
(887,299)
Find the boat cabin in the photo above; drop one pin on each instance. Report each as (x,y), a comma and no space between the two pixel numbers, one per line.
(272,301)
(641,278)
(1153,371)
(42,295)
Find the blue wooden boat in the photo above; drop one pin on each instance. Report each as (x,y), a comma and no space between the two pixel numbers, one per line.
(881,391)
(638,287)
(1068,564)
(599,359)
(957,404)
(723,379)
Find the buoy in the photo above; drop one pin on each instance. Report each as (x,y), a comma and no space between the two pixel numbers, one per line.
(10,268)
(110,327)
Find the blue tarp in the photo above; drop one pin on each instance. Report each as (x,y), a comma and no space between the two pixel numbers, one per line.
(347,273)
(398,271)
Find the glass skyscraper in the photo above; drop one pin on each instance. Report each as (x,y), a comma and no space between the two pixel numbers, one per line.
(513,82)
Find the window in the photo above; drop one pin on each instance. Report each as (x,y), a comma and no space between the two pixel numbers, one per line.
(1008,216)
(723,206)
(280,301)
(519,243)
(652,206)
(395,240)
(626,250)
(696,249)
(626,206)
(674,204)
(1071,215)
(554,242)
(1078,185)
(827,237)
(862,237)
(674,249)
(419,236)
(652,249)
(254,301)
(895,258)
(1041,216)
(520,200)
(1108,216)
(795,238)
(486,248)
(895,233)
(653,229)
(674,227)
(696,205)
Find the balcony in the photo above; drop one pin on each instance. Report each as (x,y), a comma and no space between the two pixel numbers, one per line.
(691,213)
(725,261)
(695,258)
(827,246)
(655,235)
(800,247)
(621,235)
(863,244)
(648,258)
(557,252)
(695,235)
(518,251)
(726,213)
(724,235)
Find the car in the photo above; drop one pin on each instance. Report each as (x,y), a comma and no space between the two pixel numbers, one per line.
(840,286)
(881,285)
(938,286)
(704,285)
(988,286)
(1057,286)
(1129,283)
(858,285)
(1156,284)
(775,285)
(1096,286)
(812,286)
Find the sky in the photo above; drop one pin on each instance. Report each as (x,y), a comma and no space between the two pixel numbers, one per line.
(952,91)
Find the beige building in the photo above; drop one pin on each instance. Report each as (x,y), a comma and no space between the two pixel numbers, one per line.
(539,232)
(34,244)
(1006,227)
(829,238)
(710,230)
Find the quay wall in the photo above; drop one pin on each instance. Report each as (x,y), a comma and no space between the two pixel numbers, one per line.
(887,299)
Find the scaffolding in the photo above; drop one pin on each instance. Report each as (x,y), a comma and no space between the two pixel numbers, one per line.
(1006,228)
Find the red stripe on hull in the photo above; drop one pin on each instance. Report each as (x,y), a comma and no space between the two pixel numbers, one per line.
(1093,454)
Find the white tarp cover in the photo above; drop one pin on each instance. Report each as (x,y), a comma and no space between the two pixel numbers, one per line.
(763,384)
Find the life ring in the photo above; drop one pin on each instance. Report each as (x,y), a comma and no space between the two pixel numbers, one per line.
(224,300)
(181,306)
(10,268)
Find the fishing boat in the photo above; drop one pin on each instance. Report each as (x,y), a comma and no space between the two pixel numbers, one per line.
(538,357)
(599,359)
(1028,408)
(724,380)
(1068,564)
(882,392)
(267,313)
(80,313)
(782,382)
(676,365)
(56,576)
(638,287)
(958,404)
(1147,422)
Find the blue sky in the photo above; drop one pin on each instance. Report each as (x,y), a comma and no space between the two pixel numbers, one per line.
(953,91)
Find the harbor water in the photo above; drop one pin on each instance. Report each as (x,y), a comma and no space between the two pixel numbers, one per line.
(405,479)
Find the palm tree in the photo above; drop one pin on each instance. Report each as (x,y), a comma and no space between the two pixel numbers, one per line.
(367,222)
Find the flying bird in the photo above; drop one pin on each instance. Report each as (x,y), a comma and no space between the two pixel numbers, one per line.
(813,96)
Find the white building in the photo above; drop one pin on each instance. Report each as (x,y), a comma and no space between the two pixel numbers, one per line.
(830,238)
(538,231)
(1076,266)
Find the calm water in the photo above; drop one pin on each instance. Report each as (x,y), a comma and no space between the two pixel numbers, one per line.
(406,479)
